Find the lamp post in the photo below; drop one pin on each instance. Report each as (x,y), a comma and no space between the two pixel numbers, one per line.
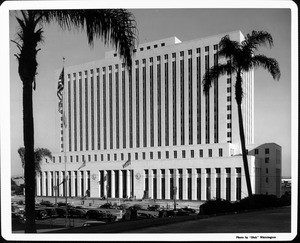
(107,188)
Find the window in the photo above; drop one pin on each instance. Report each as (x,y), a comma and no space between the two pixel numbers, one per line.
(228,98)
(267,160)
(166,56)
(151,155)
(192,154)
(209,152)
(77,158)
(102,157)
(108,157)
(151,60)
(229,134)
(115,157)
(137,62)
(95,157)
(267,180)
(136,156)
(238,170)
(183,153)
(228,125)
(218,170)
(190,52)
(141,49)
(144,155)
(148,47)
(256,151)
(198,50)
(122,156)
(159,155)
(144,60)
(181,53)
(158,58)
(89,157)
(220,152)
(228,89)
(115,54)
(175,154)
(53,159)
(207,48)
(229,81)
(201,152)
(267,151)
(162,44)
(167,154)
(215,47)
(134,50)
(173,55)
(155,46)
(228,116)
(227,170)
(267,170)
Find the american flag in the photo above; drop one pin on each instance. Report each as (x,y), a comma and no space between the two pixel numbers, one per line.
(60,88)
(127,163)
(83,164)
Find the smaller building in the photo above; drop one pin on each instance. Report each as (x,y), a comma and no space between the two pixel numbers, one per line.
(268,174)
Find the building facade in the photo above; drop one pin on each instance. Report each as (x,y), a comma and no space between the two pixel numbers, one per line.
(150,132)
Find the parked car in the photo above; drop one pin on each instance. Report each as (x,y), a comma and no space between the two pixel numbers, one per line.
(153,208)
(98,215)
(46,203)
(40,213)
(51,212)
(61,212)
(181,212)
(63,204)
(106,205)
(190,210)
(92,223)
(77,212)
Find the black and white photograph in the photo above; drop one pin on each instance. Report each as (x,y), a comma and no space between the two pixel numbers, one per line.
(123,121)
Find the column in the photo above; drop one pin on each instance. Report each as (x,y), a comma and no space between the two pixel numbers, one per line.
(203,184)
(72,183)
(150,181)
(167,182)
(158,180)
(223,183)
(38,184)
(120,184)
(128,183)
(105,182)
(176,182)
(78,183)
(44,183)
(184,184)
(113,184)
(85,183)
(213,183)
(233,184)
(194,183)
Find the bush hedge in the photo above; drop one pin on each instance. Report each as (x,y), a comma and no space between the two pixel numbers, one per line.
(258,201)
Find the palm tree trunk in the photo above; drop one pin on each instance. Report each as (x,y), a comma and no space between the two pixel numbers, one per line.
(238,97)
(29,171)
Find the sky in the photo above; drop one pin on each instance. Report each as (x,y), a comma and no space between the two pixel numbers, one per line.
(272,108)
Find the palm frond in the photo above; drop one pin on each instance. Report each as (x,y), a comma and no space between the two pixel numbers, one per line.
(267,63)
(114,26)
(21,152)
(227,47)
(256,39)
(213,73)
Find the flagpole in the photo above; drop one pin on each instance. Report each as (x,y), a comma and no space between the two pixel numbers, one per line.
(64,145)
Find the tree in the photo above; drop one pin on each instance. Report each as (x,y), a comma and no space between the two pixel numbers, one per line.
(39,154)
(242,58)
(114,26)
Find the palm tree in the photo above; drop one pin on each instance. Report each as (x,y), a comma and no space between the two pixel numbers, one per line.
(242,58)
(39,154)
(114,26)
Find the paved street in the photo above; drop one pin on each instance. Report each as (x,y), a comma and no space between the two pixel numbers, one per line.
(267,221)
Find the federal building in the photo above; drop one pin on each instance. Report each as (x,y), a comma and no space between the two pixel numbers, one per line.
(151,132)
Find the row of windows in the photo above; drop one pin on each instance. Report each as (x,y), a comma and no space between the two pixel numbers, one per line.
(149,155)
(267,151)
(114,141)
